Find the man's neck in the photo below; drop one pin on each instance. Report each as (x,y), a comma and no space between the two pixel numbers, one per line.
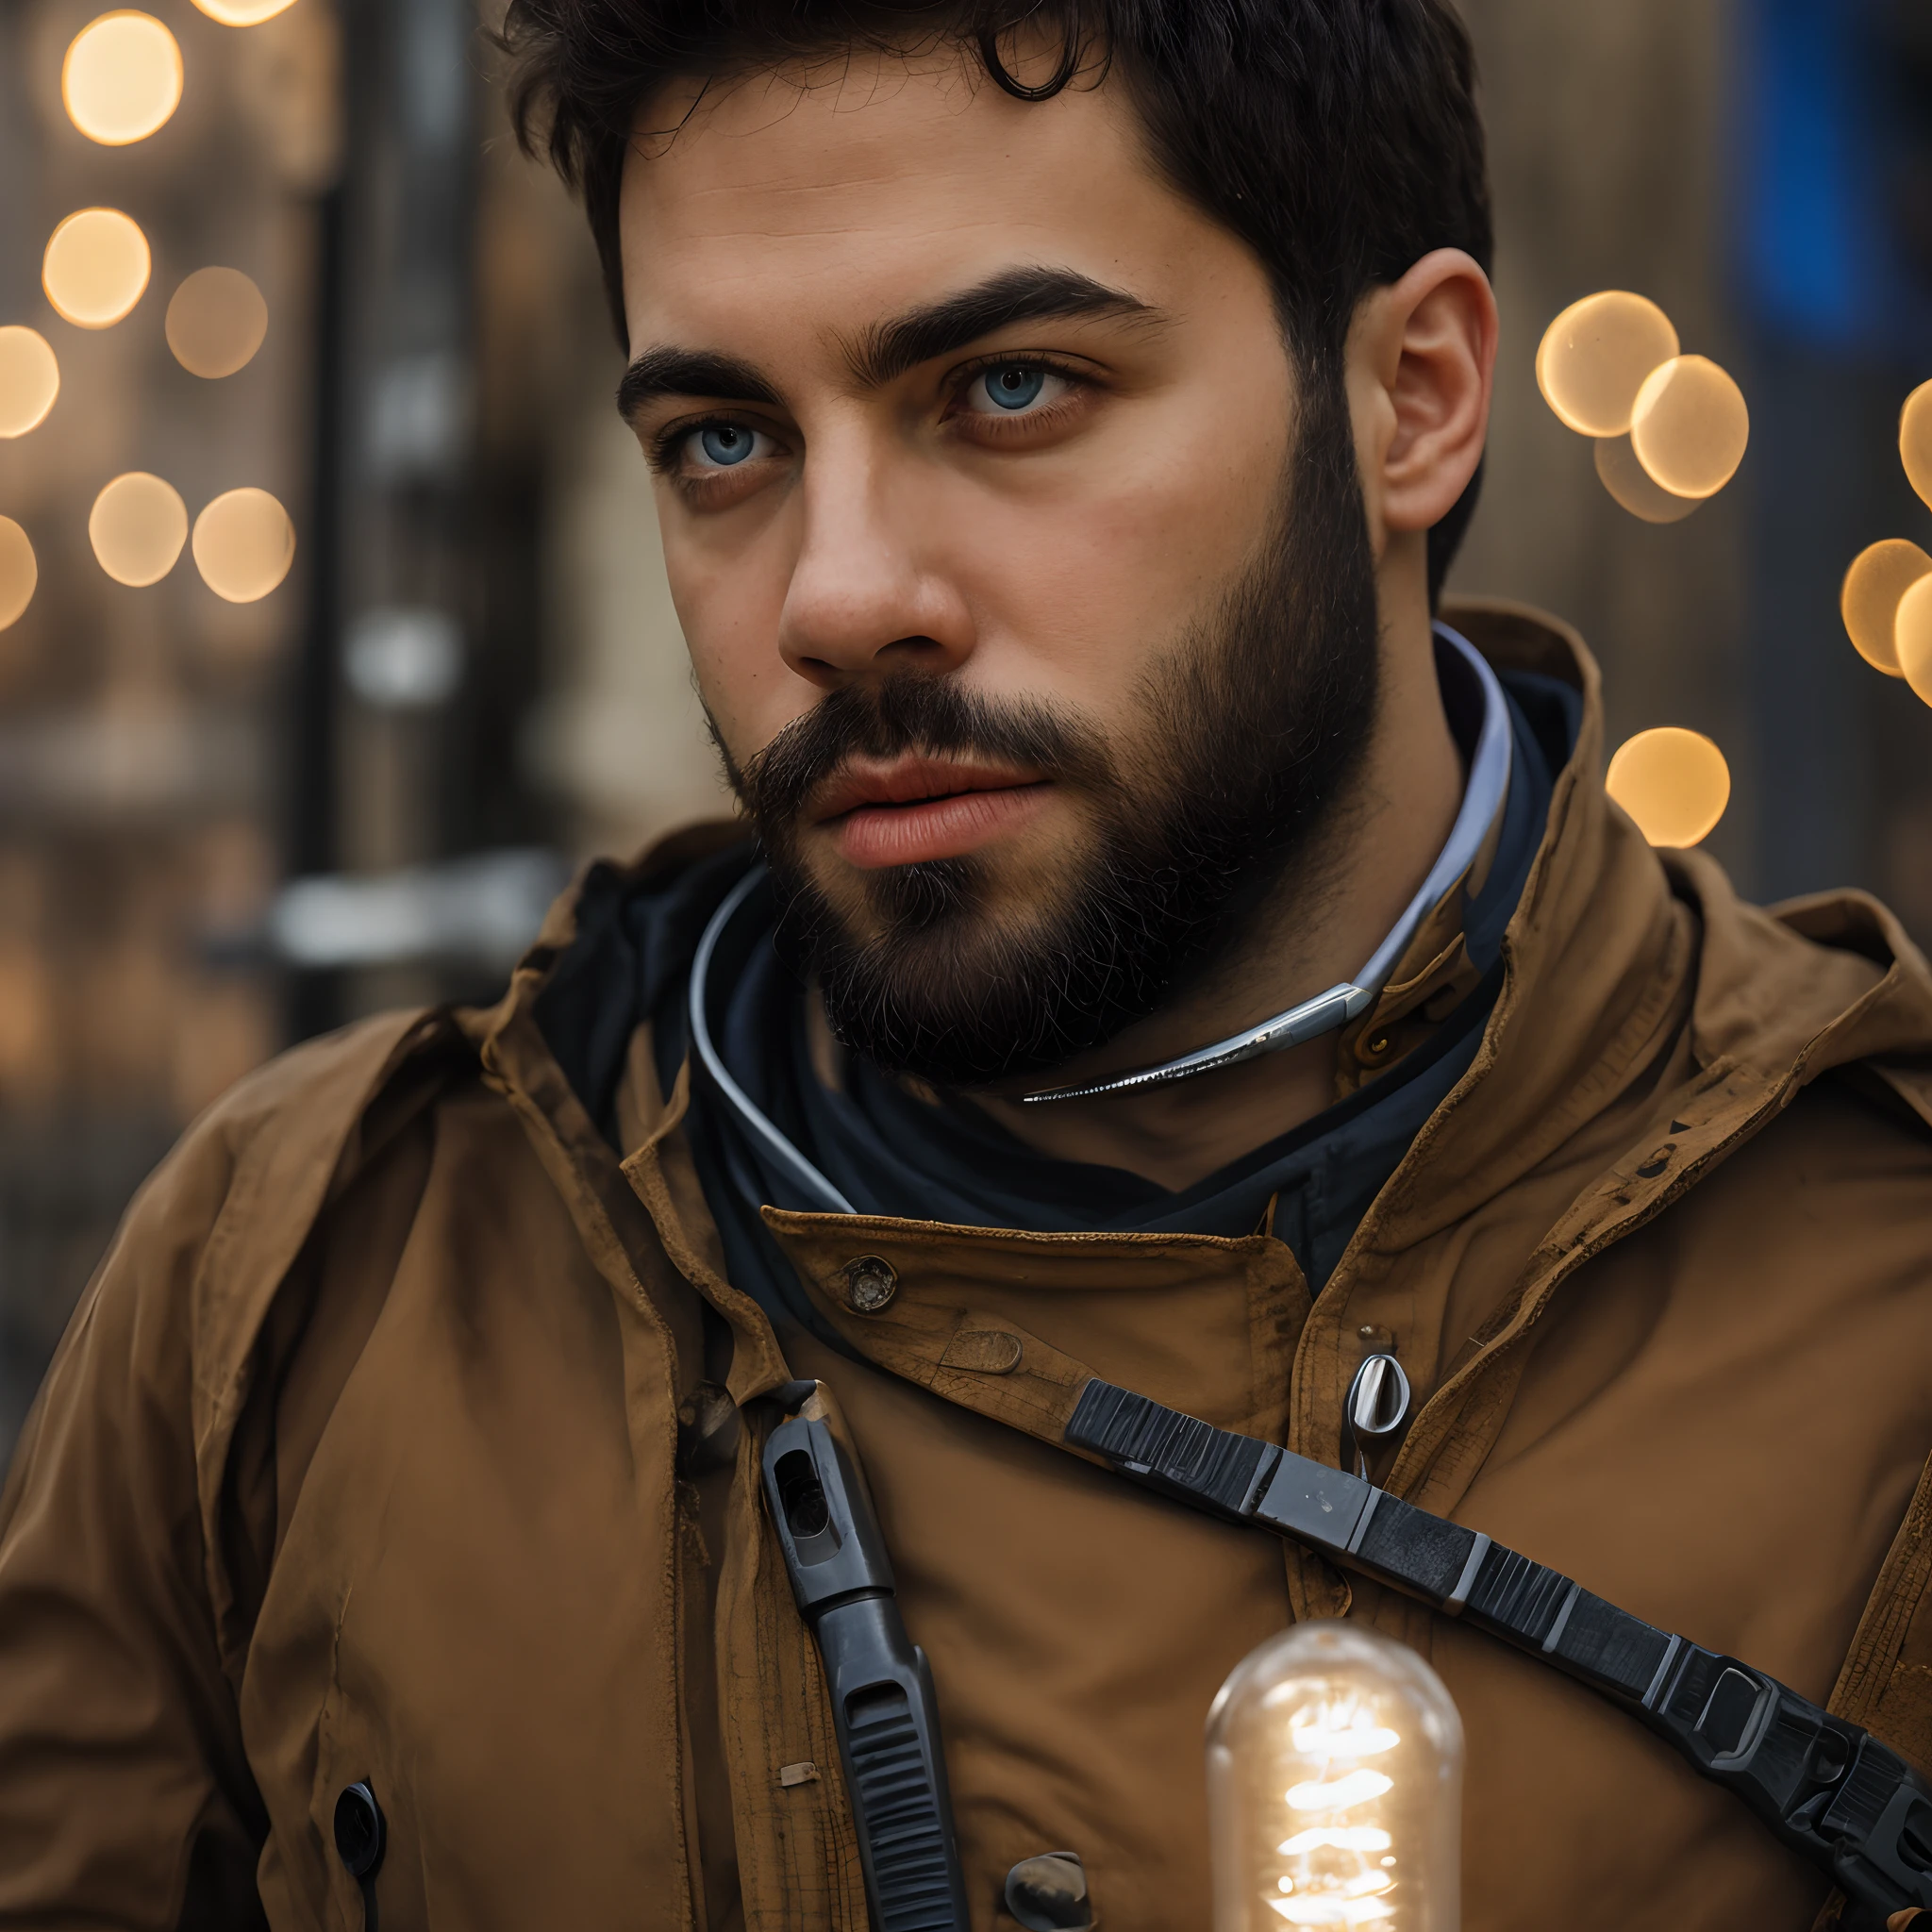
(1314,933)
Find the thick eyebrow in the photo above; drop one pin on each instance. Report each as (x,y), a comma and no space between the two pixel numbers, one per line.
(889,350)
(671,372)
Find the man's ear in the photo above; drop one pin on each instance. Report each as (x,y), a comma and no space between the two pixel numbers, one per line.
(1421,357)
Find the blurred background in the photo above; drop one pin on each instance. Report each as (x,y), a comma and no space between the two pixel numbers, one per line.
(252,798)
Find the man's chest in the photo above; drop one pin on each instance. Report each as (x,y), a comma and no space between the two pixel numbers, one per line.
(488,1597)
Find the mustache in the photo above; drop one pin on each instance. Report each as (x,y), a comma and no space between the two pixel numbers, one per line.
(911,712)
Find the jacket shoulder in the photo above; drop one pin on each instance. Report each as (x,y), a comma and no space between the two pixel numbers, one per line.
(1809,985)
(212,1232)
(273,1140)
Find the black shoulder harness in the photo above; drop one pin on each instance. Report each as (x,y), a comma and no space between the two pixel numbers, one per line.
(1827,1788)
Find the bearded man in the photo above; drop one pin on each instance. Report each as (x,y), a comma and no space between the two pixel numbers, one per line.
(1156,953)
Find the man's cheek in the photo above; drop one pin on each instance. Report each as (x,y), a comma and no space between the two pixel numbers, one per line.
(730,701)
(742,681)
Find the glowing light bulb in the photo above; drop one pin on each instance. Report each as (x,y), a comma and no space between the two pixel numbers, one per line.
(1915,638)
(1674,783)
(138,526)
(243,545)
(1633,485)
(96,267)
(29,380)
(121,78)
(1689,426)
(243,12)
(1874,588)
(1915,440)
(19,571)
(1595,356)
(216,322)
(1335,1787)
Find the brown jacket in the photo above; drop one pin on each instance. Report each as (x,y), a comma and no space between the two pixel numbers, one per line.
(388,1443)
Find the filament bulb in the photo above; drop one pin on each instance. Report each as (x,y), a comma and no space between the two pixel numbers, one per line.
(1335,1787)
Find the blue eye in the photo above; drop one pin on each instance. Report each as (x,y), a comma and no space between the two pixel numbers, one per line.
(1016,386)
(725,445)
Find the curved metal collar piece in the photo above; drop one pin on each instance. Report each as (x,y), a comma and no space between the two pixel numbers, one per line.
(1482,799)
(826,1199)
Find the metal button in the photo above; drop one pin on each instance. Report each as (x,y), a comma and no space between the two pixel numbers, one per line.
(360,1830)
(869,1284)
(1049,1893)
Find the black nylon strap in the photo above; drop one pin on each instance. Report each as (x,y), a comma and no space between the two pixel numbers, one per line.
(1827,1788)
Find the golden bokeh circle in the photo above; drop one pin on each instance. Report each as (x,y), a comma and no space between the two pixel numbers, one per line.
(29,379)
(216,322)
(243,545)
(243,12)
(96,267)
(1915,440)
(1690,427)
(1594,356)
(1633,485)
(1914,636)
(1674,783)
(1874,588)
(138,526)
(121,78)
(19,571)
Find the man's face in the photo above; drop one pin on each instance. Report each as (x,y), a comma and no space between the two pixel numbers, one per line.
(991,524)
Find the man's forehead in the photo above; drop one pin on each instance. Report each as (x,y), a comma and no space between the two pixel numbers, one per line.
(867,120)
(867,192)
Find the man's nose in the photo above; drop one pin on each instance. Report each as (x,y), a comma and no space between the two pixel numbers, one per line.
(865,598)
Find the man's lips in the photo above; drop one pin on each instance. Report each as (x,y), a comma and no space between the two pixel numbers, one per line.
(913,810)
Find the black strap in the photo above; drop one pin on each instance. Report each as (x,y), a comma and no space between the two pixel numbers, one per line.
(1827,1788)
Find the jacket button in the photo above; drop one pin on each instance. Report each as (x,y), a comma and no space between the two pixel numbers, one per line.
(360,1830)
(1049,1893)
(869,1284)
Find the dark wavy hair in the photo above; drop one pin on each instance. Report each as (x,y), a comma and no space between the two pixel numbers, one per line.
(1339,139)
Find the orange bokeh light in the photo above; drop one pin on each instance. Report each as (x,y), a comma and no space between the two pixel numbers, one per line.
(243,12)
(121,78)
(1674,783)
(243,545)
(29,380)
(19,571)
(1635,488)
(1874,588)
(1690,428)
(138,528)
(1595,356)
(1914,638)
(216,322)
(96,267)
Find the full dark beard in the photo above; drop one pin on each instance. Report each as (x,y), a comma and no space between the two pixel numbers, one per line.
(1262,713)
